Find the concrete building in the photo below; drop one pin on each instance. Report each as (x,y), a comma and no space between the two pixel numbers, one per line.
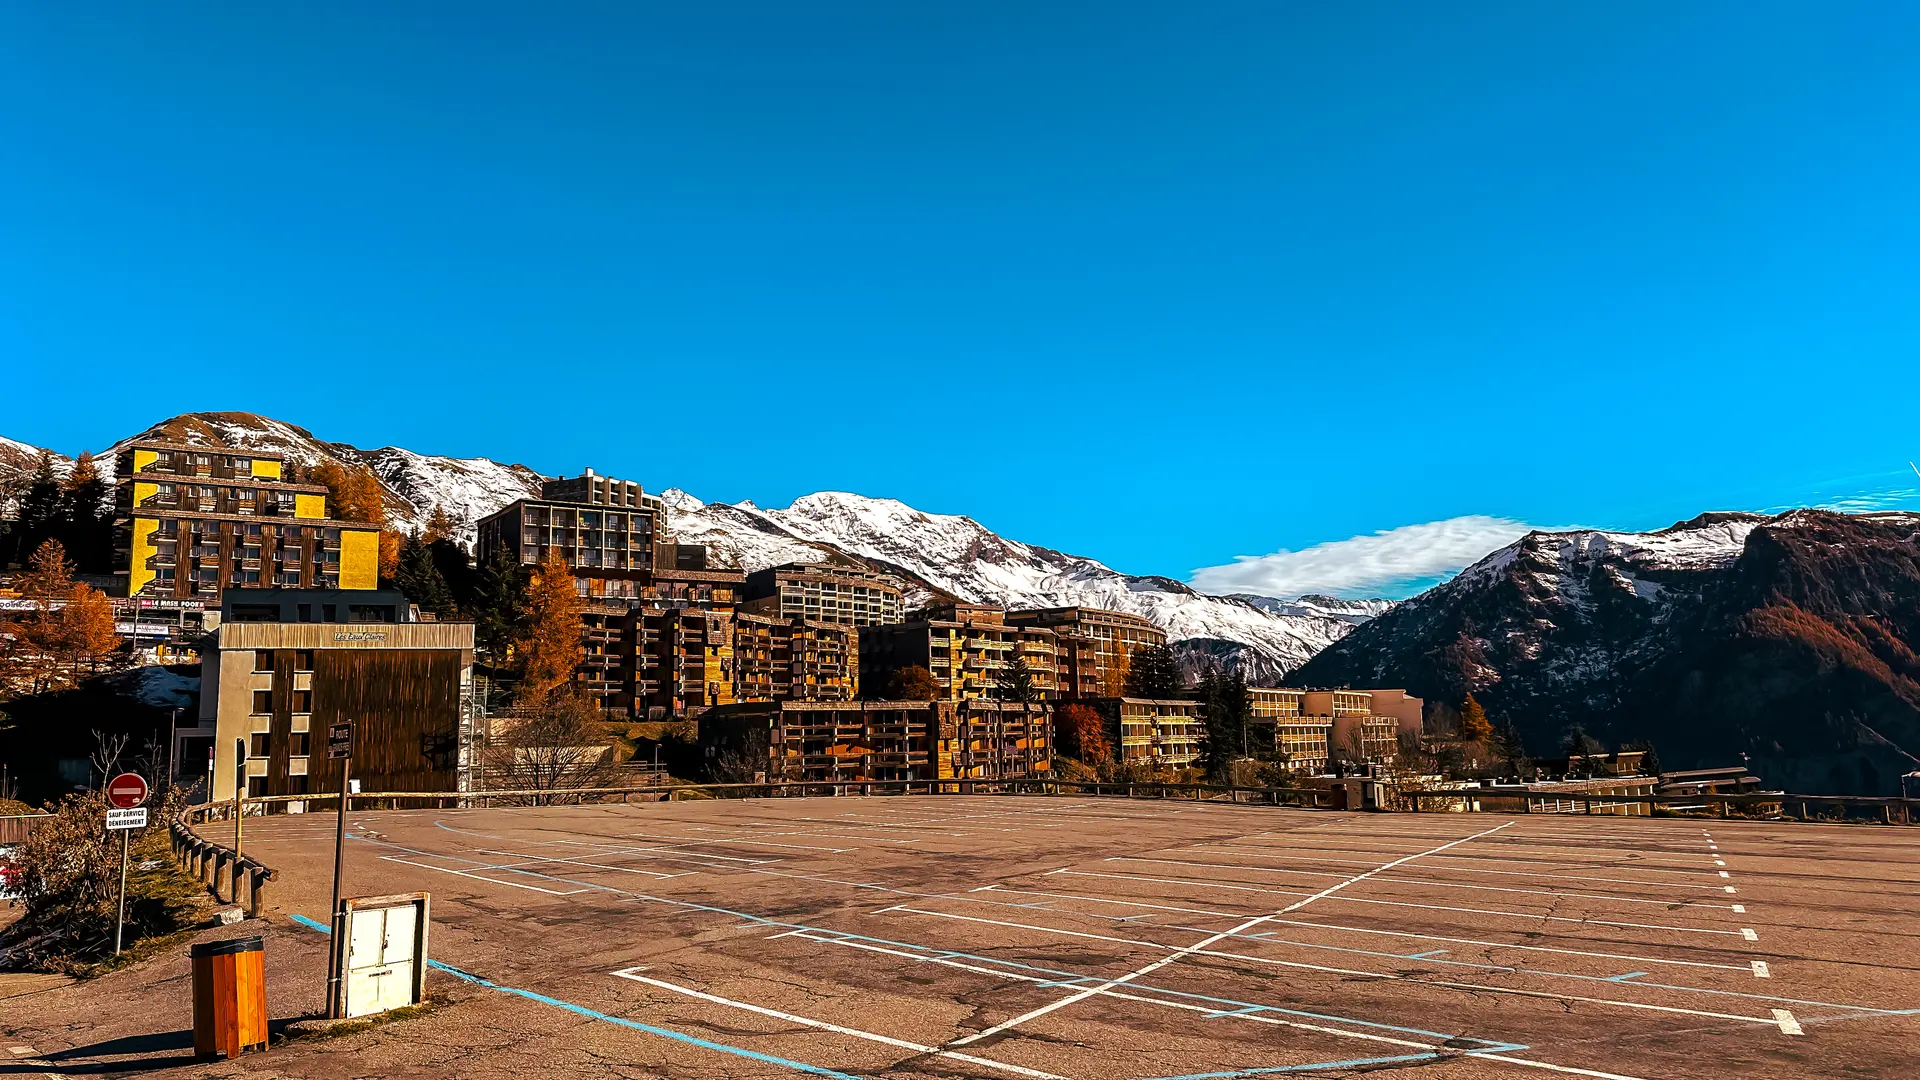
(658,617)
(824,592)
(1299,739)
(191,522)
(838,742)
(1154,733)
(270,690)
(1114,634)
(967,647)
(776,659)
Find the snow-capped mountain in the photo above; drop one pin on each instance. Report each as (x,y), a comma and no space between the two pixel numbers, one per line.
(957,556)
(1788,638)
(467,488)
(938,554)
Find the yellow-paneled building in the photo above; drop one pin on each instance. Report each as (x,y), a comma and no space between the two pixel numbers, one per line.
(194,521)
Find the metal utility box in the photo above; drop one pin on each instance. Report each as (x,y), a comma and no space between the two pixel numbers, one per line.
(229,997)
(383,953)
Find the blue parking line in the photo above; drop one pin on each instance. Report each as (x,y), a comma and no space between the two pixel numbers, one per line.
(1271,1069)
(595,1014)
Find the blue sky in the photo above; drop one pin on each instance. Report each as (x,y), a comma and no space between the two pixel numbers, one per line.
(1160,284)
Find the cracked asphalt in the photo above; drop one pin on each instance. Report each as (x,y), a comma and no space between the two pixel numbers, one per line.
(1054,937)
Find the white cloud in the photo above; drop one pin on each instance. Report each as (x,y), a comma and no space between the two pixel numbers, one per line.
(1365,565)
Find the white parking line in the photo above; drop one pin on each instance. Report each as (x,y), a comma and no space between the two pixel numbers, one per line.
(1082,995)
(1788,1025)
(1017,1070)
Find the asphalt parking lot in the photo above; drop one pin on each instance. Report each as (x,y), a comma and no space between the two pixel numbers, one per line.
(1081,938)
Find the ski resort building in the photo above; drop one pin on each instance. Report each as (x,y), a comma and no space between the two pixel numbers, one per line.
(1114,635)
(968,647)
(840,742)
(1153,733)
(824,592)
(191,522)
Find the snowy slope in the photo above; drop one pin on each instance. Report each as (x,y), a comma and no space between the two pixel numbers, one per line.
(938,554)
(962,558)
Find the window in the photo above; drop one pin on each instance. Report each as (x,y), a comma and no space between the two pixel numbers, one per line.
(303,660)
(261,745)
(256,786)
(303,701)
(328,613)
(370,613)
(262,702)
(263,659)
(299,743)
(306,612)
(255,613)
(297,785)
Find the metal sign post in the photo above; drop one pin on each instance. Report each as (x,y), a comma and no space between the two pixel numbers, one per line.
(239,809)
(339,748)
(125,793)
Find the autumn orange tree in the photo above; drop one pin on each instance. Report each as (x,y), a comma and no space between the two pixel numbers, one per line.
(68,632)
(551,648)
(914,684)
(1474,726)
(354,494)
(1081,733)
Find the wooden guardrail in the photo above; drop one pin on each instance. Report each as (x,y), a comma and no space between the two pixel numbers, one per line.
(15,828)
(212,862)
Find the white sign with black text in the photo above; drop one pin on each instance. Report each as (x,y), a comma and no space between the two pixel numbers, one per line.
(133,818)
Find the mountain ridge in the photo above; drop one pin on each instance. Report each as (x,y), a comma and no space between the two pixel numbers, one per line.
(941,556)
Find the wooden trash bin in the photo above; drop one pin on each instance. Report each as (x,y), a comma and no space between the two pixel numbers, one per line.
(229,997)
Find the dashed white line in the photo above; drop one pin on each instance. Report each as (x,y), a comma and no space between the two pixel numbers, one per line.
(1788,1025)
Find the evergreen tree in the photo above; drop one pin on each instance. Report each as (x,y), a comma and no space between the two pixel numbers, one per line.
(1510,749)
(1579,745)
(39,518)
(1014,683)
(498,607)
(456,569)
(1153,672)
(1474,725)
(420,579)
(85,520)
(1228,706)
(553,645)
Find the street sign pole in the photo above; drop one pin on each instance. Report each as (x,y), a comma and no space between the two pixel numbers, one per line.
(125,793)
(339,748)
(239,808)
(120,920)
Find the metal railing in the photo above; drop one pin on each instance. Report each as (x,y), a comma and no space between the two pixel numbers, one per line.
(1768,805)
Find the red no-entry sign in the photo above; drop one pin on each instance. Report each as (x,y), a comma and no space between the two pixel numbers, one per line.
(127,790)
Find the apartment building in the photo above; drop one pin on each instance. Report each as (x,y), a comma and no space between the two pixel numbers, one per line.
(1114,634)
(1357,733)
(968,647)
(1299,739)
(191,522)
(776,659)
(658,617)
(824,592)
(1154,733)
(838,742)
(272,688)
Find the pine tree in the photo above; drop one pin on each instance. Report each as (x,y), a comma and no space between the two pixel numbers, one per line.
(552,647)
(1228,706)
(1153,672)
(1510,749)
(420,579)
(1474,726)
(38,519)
(86,521)
(1014,683)
(456,569)
(498,607)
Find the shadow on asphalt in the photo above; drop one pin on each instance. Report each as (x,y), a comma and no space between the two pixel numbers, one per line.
(161,1050)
